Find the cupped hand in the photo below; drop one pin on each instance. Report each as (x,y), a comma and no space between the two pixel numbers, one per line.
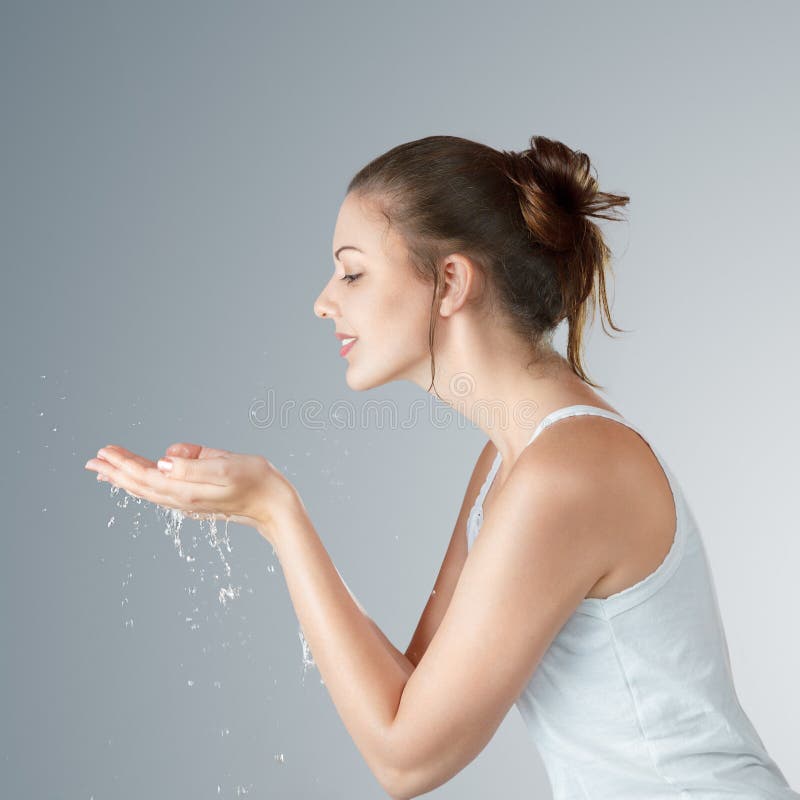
(202,481)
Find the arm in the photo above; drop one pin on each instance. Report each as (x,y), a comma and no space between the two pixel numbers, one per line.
(449,571)
(536,558)
(362,671)
(403,661)
(354,623)
(452,564)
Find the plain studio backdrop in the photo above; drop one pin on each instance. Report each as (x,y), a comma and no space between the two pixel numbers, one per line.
(171,175)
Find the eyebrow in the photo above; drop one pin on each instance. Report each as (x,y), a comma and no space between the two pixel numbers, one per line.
(345,247)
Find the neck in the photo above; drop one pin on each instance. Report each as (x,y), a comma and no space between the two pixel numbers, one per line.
(501,387)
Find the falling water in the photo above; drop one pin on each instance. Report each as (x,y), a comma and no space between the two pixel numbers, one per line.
(308,658)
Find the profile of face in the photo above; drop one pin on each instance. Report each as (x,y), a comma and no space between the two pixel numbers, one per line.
(376,296)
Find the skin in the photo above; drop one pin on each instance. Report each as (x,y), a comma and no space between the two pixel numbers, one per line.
(557,520)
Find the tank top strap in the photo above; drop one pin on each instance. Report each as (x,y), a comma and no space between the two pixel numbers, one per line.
(553,416)
(488,480)
(576,410)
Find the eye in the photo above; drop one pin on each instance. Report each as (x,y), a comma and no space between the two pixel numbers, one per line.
(351,278)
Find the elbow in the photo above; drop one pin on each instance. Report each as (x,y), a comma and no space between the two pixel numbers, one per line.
(403,785)
(405,780)
(397,784)
(393,785)
(411,769)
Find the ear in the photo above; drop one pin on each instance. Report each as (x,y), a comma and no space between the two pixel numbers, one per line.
(462,280)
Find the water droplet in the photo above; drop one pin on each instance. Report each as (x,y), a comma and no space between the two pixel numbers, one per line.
(308,658)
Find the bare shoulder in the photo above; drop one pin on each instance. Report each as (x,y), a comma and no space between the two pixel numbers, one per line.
(625,494)
(592,443)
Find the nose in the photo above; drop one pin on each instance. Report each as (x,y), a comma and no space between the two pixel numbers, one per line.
(322,306)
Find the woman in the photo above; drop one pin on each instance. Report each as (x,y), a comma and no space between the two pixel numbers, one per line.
(587,600)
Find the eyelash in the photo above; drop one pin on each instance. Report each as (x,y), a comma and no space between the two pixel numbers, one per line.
(351,278)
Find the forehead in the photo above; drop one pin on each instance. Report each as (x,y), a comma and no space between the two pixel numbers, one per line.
(359,224)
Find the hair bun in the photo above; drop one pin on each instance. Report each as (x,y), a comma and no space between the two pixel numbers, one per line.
(556,186)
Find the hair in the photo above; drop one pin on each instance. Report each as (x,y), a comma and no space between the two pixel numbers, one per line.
(522,217)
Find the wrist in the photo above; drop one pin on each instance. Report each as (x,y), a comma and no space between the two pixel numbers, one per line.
(281,515)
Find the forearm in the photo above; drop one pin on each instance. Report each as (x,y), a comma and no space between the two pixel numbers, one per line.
(363,672)
(400,658)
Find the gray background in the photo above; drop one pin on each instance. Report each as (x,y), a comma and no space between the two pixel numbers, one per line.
(171,174)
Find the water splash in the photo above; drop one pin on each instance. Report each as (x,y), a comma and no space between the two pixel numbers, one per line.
(173,520)
(308,658)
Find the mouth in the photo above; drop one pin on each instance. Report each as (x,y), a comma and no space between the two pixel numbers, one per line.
(348,343)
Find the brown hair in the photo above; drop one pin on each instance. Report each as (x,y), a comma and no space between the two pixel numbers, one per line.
(522,217)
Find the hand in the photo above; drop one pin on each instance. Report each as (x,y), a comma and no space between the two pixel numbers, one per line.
(245,488)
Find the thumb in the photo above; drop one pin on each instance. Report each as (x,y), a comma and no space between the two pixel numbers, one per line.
(197,470)
(177,467)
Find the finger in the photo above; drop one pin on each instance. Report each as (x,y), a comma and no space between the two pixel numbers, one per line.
(110,474)
(141,470)
(212,452)
(164,491)
(189,450)
(145,462)
(184,450)
(195,470)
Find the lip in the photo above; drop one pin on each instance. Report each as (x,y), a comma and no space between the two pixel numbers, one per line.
(346,348)
(345,336)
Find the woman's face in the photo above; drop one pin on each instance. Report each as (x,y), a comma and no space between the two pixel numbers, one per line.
(375,295)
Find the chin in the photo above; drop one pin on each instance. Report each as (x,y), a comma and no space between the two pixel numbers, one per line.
(360,380)
(356,380)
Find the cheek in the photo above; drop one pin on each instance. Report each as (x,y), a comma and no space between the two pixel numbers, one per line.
(403,318)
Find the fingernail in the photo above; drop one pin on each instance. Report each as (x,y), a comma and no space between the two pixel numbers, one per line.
(165,464)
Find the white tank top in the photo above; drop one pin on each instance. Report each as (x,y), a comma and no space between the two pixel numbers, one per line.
(634,698)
